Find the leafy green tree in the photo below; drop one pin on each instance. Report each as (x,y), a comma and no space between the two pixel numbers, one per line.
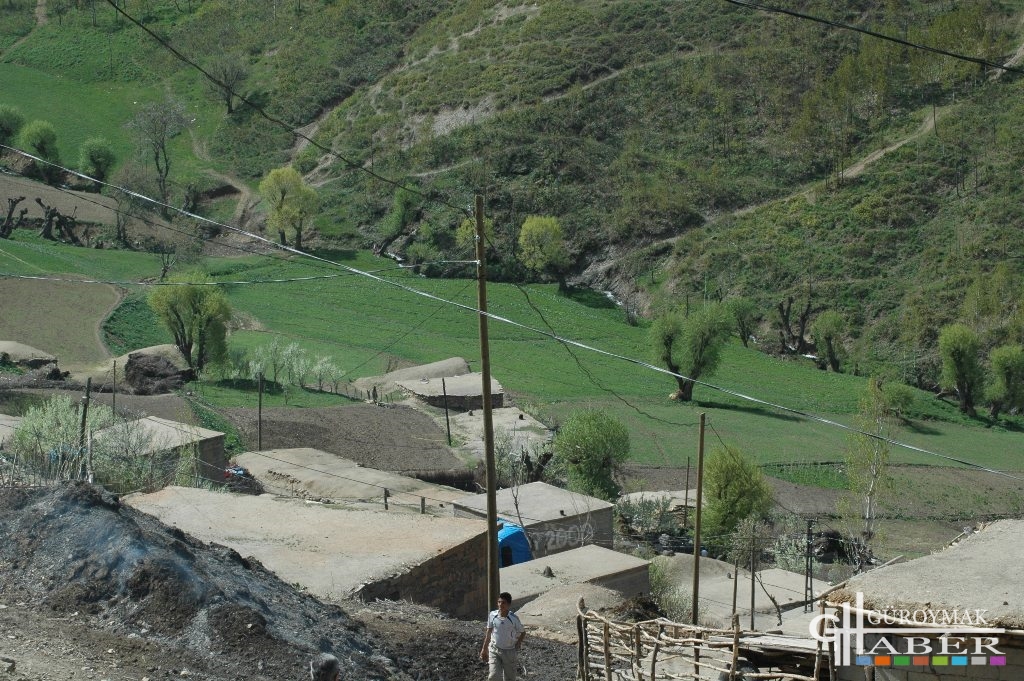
(827,331)
(291,202)
(96,158)
(592,445)
(11,121)
(959,346)
(40,138)
(993,306)
(465,235)
(196,315)
(691,346)
(1006,383)
(744,316)
(734,489)
(542,248)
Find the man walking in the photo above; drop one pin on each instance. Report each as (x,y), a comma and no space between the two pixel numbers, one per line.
(502,641)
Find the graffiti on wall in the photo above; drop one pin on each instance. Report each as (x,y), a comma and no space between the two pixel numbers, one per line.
(555,539)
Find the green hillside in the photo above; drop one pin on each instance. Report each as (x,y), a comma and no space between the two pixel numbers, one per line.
(691,151)
(693,147)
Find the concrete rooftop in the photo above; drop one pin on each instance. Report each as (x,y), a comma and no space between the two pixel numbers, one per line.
(538,502)
(455,386)
(327,549)
(586,564)
(316,474)
(166,434)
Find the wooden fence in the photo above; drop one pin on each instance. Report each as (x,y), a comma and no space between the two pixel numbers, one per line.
(660,649)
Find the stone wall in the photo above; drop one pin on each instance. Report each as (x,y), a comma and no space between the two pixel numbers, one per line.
(454,582)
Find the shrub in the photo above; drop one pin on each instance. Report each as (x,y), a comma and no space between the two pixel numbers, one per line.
(11,121)
(96,158)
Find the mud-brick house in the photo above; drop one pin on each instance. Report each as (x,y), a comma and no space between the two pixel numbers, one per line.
(555,519)
(152,436)
(956,614)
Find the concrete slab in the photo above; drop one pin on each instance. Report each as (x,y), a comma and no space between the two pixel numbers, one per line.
(555,518)
(677,499)
(716,589)
(982,571)
(329,550)
(463,392)
(454,366)
(592,564)
(553,614)
(165,434)
(538,501)
(315,474)
(518,429)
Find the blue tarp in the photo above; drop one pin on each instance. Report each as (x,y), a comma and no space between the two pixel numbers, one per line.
(513,546)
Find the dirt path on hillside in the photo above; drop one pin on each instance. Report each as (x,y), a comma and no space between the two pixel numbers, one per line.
(927,126)
(245,196)
(41,20)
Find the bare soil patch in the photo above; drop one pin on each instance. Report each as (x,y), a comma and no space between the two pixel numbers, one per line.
(390,438)
(94,589)
(59,318)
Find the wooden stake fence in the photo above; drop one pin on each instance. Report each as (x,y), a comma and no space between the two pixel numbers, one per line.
(663,650)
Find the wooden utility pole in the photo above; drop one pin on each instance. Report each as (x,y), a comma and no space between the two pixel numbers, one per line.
(259,413)
(447,420)
(79,459)
(493,579)
(696,520)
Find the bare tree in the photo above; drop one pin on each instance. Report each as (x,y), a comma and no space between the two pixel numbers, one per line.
(230,71)
(9,224)
(154,126)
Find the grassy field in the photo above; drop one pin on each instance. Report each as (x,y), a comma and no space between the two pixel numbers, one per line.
(77,110)
(365,325)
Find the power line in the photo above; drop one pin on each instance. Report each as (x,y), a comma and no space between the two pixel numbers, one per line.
(848,27)
(548,334)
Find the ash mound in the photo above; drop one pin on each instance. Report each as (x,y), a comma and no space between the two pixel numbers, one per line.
(76,550)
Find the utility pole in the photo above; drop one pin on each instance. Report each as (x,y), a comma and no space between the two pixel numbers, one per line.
(85,415)
(696,521)
(753,529)
(493,579)
(809,570)
(259,413)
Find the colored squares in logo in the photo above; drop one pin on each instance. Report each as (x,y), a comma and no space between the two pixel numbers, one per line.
(901,661)
(979,660)
(997,661)
(958,660)
(940,661)
(921,660)
(864,660)
(883,660)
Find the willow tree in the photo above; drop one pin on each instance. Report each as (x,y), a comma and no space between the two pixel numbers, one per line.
(691,347)
(197,314)
(542,248)
(290,201)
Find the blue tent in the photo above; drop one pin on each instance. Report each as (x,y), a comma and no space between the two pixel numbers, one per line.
(513,546)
